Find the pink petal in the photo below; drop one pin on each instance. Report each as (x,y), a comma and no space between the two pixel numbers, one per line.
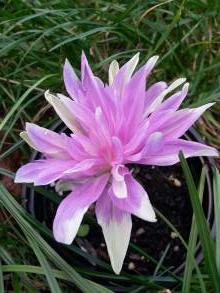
(72,209)
(62,105)
(47,141)
(175,100)
(133,100)
(116,226)
(174,125)
(156,102)
(169,154)
(137,201)
(42,172)
(117,149)
(123,76)
(154,143)
(85,168)
(71,81)
(118,183)
(154,91)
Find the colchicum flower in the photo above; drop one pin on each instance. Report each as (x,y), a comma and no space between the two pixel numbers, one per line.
(113,125)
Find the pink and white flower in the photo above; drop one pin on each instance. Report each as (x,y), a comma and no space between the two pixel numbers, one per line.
(112,125)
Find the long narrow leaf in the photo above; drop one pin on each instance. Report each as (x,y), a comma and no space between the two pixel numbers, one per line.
(203,230)
(216,190)
(13,208)
(192,243)
(169,224)
(54,287)
(21,99)
(2,290)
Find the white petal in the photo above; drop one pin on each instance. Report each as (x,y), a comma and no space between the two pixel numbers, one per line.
(160,98)
(130,67)
(116,228)
(118,182)
(71,226)
(119,188)
(63,111)
(113,70)
(26,138)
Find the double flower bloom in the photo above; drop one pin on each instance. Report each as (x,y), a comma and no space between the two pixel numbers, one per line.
(113,125)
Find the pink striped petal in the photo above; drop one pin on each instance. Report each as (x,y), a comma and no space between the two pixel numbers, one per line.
(175,100)
(153,92)
(72,209)
(43,172)
(169,154)
(47,141)
(174,124)
(137,201)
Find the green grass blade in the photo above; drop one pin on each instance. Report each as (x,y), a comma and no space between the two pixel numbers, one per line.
(216,190)
(21,99)
(206,241)
(54,287)
(14,209)
(169,224)
(192,243)
(39,271)
(2,290)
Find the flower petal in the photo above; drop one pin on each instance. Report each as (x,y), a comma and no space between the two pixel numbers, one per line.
(42,172)
(175,100)
(72,209)
(47,141)
(176,124)
(60,105)
(113,70)
(84,168)
(137,201)
(118,183)
(154,91)
(124,74)
(117,150)
(154,144)
(158,100)
(116,226)
(71,80)
(169,154)
(26,138)
(133,100)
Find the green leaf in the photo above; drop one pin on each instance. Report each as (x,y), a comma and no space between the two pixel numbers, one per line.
(83,230)
(2,290)
(192,244)
(216,190)
(21,99)
(14,209)
(204,233)
(54,287)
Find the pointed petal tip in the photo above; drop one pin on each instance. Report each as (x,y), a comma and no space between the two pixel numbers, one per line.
(116,269)
(186,86)
(83,57)
(137,55)
(48,95)
(154,58)
(26,138)
(67,65)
